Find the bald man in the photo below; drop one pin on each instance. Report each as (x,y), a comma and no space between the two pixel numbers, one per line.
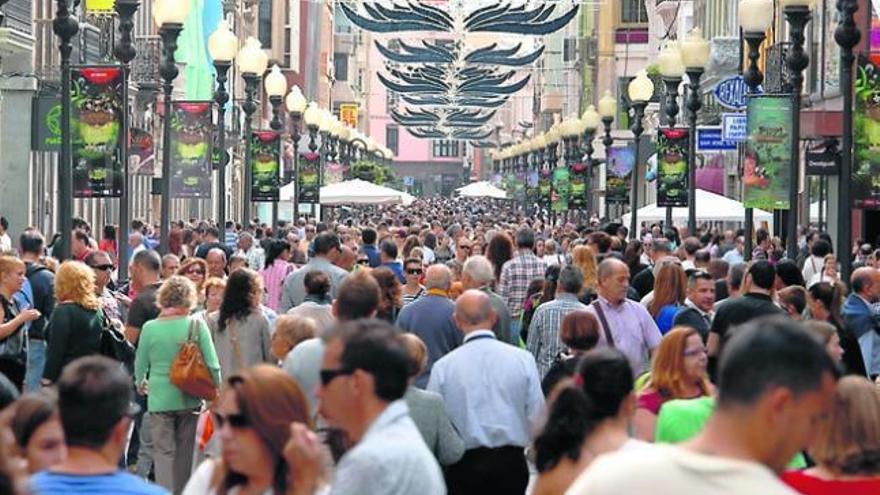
(492,394)
(346,259)
(862,356)
(216,260)
(430,317)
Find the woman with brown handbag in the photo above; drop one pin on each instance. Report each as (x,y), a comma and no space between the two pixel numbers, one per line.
(173,341)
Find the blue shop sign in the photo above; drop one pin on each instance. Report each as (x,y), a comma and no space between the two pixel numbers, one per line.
(732,93)
(710,139)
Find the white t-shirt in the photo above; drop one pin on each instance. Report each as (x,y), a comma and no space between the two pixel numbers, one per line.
(200,482)
(671,470)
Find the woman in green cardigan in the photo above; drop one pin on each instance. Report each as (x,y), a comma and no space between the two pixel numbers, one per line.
(173,414)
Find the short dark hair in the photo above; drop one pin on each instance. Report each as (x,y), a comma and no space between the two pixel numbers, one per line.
(525,238)
(4,223)
(148,259)
(763,274)
(388,248)
(94,393)
(820,248)
(579,330)
(789,273)
(376,347)
(794,295)
(358,297)
(368,236)
(31,241)
(600,239)
(770,352)
(761,235)
(213,231)
(81,236)
(699,275)
(736,274)
(691,245)
(326,242)
(316,282)
(661,245)
(571,279)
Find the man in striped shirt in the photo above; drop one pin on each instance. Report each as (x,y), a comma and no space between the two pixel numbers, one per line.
(544,342)
(517,274)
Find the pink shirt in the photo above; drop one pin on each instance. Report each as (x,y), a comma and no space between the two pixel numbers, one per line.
(273,280)
(634,331)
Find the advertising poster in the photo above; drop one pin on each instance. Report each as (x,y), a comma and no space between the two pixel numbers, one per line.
(533,193)
(266,160)
(192,133)
(519,187)
(672,167)
(561,189)
(334,173)
(141,152)
(866,137)
(578,197)
(96,125)
(309,170)
(767,154)
(621,161)
(545,188)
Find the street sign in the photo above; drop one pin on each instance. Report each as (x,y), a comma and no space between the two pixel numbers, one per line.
(825,163)
(710,139)
(348,114)
(732,93)
(734,127)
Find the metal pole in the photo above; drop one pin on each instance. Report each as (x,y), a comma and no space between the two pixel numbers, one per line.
(753,78)
(221,97)
(608,142)
(671,108)
(168,70)
(124,52)
(251,83)
(295,134)
(276,125)
(847,36)
(637,129)
(588,151)
(694,104)
(798,60)
(65,27)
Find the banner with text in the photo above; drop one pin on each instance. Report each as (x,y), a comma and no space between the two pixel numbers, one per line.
(768,151)
(192,136)
(266,160)
(672,167)
(866,130)
(96,131)
(618,173)
(309,170)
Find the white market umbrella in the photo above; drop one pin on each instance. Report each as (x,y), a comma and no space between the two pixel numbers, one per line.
(711,207)
(360,192)
(482,189)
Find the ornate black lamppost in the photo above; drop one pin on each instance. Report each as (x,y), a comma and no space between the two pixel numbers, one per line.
(590,121)
(296,105)
(847,36)
(640,90)
(223,46)
(695,53)
(124,52)
(276,87)
(672,70)
(65,26)
(607,110)
(252,62)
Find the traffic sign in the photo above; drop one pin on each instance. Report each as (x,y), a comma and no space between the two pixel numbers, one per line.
(734,127)
(732,93)
(710,139)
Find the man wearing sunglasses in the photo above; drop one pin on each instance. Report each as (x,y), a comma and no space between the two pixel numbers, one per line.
(100,263)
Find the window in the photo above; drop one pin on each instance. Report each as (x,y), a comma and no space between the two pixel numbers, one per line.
(446,148)
(569,50)
(392,99)
(392,137)
(340,66)
(633,12)
(264,28)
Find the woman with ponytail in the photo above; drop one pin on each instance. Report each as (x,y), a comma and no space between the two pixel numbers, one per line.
(588,417)
(825,301)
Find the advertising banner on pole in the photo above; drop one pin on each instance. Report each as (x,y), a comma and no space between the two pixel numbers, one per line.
(672,167)
(519,187)
(578,198)
(266,156)
(768,153)
(618,170)
(192,135)
(866,138)
(309,170)
(561,189)
(533,193)
(545,188)
(96,128)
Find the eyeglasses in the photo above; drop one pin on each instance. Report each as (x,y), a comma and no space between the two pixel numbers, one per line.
(414,271)
(466,248)
(103,268)
(696,352)
(195,271)
(328,376)
(234,420)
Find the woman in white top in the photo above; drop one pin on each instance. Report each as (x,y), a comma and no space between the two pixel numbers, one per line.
(828,272)
(588,416)
(252,419)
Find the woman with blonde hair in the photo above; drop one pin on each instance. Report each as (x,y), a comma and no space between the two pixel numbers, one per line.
(74,330)
(670,290)
(196,270)
(13,338)
(584,258)
(290,330)
(173,413)
(678,371)
(846,448)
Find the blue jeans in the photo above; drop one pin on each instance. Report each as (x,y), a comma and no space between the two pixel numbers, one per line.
(36,361)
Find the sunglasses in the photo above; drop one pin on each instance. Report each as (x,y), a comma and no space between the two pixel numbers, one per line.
(104,268)
(364,262)
(416,271)
(234,420)
(328,376)
(195,272)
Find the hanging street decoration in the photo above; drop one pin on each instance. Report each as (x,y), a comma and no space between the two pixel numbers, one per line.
(866,172)
(266,153)
(192,136)
(767,156)
(672,167)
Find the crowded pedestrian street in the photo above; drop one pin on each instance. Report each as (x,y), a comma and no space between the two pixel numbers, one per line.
(431,247)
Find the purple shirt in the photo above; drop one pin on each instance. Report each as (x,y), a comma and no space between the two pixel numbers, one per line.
(633,329)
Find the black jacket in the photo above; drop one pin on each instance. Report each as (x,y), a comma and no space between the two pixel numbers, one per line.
(42,282)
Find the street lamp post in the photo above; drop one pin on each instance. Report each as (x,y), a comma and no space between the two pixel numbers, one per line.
(672,69)
(640,91)
(252,62)
(65,26)
(590,121)
(276,87)
(124,52)
(607,110)
(797,13)
(312,117)
(169,16)
(223,46)
(296,105)
(695,53)
(754,23)
(847,36)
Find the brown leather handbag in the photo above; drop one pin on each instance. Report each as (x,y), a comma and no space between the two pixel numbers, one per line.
(189,372)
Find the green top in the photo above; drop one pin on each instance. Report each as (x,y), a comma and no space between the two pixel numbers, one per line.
(159,344)
(681,419)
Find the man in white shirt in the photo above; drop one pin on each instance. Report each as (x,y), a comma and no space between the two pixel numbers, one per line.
(776,385)
(5,240)
(493,397)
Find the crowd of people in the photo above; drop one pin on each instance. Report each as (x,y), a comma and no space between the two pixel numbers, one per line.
(451,346)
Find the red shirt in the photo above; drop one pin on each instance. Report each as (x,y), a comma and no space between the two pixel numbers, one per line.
(811,485)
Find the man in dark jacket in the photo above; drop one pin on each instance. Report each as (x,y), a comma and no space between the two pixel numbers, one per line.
(860,319)
(697,310)
(42,281)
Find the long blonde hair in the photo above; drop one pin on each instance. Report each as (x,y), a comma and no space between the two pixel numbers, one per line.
(75,282)
(583,258)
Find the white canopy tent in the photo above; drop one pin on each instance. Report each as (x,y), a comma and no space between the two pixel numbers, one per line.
(482,189)
(353,192)
(711,207)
